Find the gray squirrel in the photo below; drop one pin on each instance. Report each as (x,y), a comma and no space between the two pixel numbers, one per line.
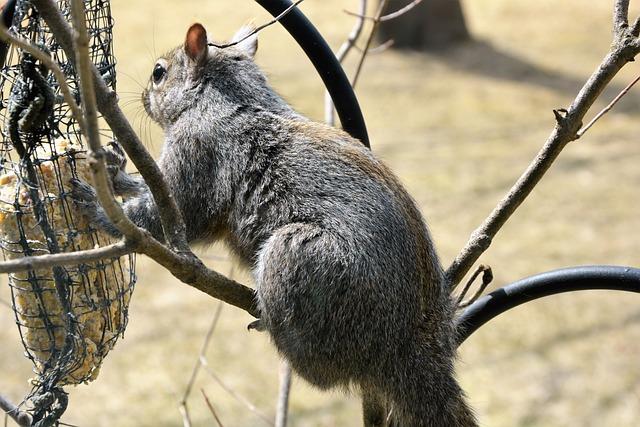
(349,285)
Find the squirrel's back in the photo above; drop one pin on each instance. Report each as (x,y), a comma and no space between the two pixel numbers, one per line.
(320,175)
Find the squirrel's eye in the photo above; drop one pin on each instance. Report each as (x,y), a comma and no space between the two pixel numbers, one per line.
(158,73)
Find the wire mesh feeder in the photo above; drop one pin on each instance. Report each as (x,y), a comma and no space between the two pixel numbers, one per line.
(68,317)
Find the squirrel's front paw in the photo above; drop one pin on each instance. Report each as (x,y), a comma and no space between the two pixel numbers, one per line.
(86,204)
(257,325)
(85,200)
(115,158)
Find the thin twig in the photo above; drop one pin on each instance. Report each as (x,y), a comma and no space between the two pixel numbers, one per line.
(378,49)
(487,278)
(343,52)
(620,14)
(393,15)
(635,28)
(213,411)
(36,262)
(260,28)
(284,391)
(606,109)
(372,33)
(48,62)
(184,409)
(250,406)
(21,418)
(467,286)
(101,180)
(184,412)
(624,48)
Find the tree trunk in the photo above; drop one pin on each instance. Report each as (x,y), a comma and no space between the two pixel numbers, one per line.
(432,24)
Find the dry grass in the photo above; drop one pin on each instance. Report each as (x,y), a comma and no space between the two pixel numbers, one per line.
(458,128)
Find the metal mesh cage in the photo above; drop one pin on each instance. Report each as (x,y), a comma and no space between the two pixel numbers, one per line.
(68,317)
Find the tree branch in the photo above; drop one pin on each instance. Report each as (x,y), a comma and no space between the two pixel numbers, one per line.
(101,180)
(177,258)
(282,410)
(250,406)
(393,15)
(625,47)
(20,417)
(260,28)
(211,409)
(183,406)
(372,33)
(609,106)
(66,258)
(107,103)
(343,52)
(620,14)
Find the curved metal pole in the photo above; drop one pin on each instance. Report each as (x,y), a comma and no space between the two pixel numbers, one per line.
(326,64)
(7,19)
(541,285)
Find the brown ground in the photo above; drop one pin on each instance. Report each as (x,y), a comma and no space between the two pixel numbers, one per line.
(458,128)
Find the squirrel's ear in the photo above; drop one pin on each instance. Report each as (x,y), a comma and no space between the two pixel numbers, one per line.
(196,43)
(248,42)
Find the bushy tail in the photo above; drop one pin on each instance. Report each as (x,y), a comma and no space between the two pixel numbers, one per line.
(424,391)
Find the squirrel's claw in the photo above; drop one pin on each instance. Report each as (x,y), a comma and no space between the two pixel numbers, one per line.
(257,325)
(81,192)
(115,156)
(84,198)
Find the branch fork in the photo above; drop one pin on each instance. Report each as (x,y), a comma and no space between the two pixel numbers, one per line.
(568,128)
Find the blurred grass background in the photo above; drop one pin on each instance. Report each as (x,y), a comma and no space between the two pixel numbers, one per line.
(458,127)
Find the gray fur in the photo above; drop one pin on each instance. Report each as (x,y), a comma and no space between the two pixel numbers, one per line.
(349,284)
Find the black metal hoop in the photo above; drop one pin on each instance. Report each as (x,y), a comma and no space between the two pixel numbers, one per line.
(325,63)
(595,277)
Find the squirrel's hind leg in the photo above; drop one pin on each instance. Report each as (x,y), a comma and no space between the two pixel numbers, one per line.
(375,411)
(303,291)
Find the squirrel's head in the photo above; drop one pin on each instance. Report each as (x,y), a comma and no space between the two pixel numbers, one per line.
(197,76)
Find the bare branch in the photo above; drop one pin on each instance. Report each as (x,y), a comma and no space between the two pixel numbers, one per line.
(343,52)
(51,65)
(184,409)
(620,14)
(625,47)
(378,49)
(114,250)
(372,33)
(472,279)
(398,13)
(606,109)
(186,418)
(107,102)
(20,417)
(213,411)
(250,406)
(487,278)
(260,28)
(635,28)
(190,270)
(100,177)
(282,410)
(178,259)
